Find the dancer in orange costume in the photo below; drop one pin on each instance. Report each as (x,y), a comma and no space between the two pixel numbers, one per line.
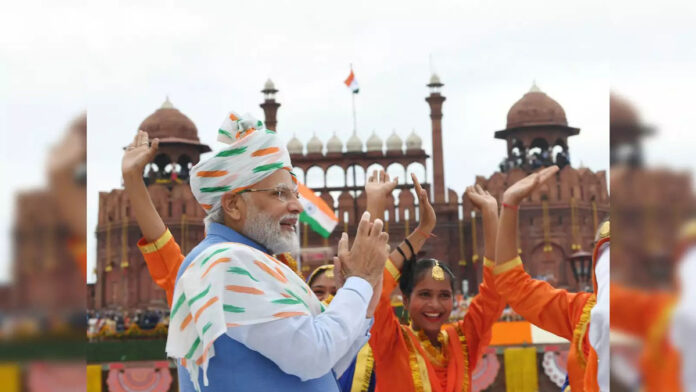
(431,355)
(558,311)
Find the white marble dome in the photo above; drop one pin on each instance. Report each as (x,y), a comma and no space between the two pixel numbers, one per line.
(374,143)
(314,145)
(354,144)
(295,145)
(414,142)
(394,142)
(334,144)
(434,79)
(269,85)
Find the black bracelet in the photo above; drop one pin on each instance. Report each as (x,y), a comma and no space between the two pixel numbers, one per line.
(401,252)
(413,254)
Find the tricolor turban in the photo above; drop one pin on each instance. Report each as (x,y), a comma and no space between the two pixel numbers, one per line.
(253,154)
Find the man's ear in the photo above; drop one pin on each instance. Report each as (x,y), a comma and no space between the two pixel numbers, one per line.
(233,205)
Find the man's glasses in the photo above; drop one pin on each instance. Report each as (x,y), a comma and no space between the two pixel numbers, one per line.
(281,193)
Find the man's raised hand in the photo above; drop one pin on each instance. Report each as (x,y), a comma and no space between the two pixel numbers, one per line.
(367,256)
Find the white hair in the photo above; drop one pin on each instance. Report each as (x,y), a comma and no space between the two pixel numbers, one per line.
(216,216)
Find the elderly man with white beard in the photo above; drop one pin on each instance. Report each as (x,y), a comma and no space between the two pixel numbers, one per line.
(243,321)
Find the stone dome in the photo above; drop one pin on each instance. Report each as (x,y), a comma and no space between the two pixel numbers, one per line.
(622,112)
(394,142)
(354,144)
(374,143)
(334,144)
(414,142)
(269,85)
(168,122)
(536,108)
(314,145)
(295,145)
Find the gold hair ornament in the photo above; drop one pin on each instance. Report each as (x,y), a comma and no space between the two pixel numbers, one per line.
(438,273)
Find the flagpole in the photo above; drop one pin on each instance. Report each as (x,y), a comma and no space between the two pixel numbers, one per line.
(355,121)
(352,93)
(355,132)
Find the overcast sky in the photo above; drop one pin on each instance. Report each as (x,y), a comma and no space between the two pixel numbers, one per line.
(120,59)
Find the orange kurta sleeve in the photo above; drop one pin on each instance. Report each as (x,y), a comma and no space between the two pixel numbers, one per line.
(388,342)
(541,304)
(634,311)
(386,330)
(484,310)
(163,258)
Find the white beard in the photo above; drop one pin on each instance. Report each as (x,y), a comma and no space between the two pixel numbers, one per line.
(267,231)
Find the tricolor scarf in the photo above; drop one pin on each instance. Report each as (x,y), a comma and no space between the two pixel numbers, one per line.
(228,285)
(253,154)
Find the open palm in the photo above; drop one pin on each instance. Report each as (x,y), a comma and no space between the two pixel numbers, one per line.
(425,209)
(138,154)
(379,184)
(480,198)
(522,188)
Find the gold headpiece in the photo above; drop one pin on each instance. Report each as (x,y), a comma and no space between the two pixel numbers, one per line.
(604,230)
(329,271)
(688,231)
(437,273)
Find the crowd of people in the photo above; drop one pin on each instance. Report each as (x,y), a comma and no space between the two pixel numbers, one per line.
(109,322)
(535,159)
(244,319)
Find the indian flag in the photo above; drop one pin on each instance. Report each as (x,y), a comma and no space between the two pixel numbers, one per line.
(352,83)
(317,214)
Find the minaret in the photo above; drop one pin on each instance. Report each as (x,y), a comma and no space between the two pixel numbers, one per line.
(269,105)
(435,101)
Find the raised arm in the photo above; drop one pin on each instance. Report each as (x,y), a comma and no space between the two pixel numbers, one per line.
(378,189)
(162,254)
(537,301)
(485,202)
(487,306)
(506,246)
(137,155)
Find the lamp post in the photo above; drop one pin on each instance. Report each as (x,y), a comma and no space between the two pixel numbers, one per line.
(581,264)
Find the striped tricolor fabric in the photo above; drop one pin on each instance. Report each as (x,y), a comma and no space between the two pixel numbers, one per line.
(352,83)
(253,154)
(317,214)
(229,285)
